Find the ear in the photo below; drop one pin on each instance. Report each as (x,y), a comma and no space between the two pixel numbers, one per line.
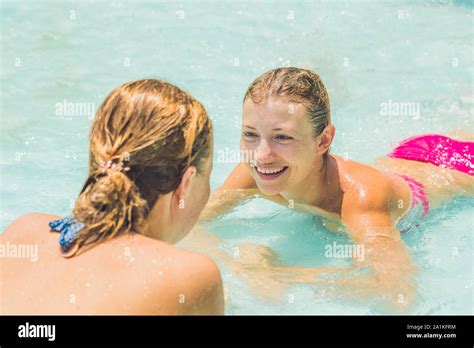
(185,183)
(326,138)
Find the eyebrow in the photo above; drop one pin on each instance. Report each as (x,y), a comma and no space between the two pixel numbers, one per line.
(274,129)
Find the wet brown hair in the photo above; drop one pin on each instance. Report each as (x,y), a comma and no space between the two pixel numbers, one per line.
(299,86)
(157,131)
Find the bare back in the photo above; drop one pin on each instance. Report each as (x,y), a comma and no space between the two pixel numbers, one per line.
(130,274)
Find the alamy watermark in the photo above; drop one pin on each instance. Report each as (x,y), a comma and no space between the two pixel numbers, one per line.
(21,251)
(37,331)
(393,108)
(350,251)
(229,155)
(69,108)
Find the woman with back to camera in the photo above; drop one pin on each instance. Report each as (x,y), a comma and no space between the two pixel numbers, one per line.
(149,167)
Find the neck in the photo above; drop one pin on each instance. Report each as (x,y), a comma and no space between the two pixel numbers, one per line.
(158,221)
(321,188)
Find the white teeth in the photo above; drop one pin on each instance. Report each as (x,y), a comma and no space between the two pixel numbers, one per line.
(269,171)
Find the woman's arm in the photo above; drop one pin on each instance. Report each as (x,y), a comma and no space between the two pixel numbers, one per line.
(383,269)
(389,268)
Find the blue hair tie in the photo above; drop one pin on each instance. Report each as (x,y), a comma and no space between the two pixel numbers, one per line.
(69,227)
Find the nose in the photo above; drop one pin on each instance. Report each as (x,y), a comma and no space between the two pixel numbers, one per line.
(264,152)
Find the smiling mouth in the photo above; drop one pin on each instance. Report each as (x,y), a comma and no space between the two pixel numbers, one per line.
(269,174)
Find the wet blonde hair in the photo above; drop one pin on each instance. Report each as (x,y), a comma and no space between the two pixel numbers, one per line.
(296,85)
(157,131)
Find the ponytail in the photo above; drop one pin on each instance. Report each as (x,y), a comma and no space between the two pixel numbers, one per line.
(109,205)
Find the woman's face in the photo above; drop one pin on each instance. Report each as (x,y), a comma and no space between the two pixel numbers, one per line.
(278,136)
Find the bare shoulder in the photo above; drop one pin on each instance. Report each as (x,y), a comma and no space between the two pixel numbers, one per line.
(365,187)
(203,270)
(192,278)
(30,223)
(367,200)
(201,277)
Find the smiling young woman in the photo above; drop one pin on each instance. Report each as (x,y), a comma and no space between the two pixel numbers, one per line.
(286,124)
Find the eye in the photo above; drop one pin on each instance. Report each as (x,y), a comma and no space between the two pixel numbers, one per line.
(249,134)
(283,137)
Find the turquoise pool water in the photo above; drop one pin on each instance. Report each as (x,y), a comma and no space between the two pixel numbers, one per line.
(368,53)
